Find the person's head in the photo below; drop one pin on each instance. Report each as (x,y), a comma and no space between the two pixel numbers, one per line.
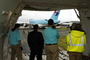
(50,22)
(16,27)
(79,26)
(74,26)
(35,27)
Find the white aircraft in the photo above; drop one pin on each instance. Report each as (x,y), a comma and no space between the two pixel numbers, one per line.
(25,23)
(68,23)
(44,22)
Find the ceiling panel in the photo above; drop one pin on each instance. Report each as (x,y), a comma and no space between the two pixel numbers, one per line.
(57,4)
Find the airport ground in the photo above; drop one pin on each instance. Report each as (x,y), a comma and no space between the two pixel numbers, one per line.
(61,41)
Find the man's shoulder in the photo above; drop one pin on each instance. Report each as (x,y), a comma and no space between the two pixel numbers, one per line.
(45,29)
(34,32)
(48,29)
(67,35)
(30,32)
(17,31)
(55,30)
(39,32)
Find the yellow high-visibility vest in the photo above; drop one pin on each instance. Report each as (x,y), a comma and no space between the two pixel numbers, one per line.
(76,41)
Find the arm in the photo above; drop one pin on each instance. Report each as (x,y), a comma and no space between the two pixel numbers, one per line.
(67,39)
(28,40)
(20,43)
(19,39)
(85,40)
(57,35)
(42,40)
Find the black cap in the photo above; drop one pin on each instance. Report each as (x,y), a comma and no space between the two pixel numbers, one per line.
(50,22)
(35,26)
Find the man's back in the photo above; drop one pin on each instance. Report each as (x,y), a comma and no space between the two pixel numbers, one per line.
(76,38)
(35,38)
(51,35)
(14,37)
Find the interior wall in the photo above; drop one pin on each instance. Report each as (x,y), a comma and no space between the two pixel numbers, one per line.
(85,21)
(7,21)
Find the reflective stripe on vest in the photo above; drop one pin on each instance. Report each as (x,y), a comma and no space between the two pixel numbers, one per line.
(75,44)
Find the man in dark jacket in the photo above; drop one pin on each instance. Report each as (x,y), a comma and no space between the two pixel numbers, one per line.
(36,43)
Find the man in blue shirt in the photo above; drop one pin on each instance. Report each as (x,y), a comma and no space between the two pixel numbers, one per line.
(51,39)
(15,41)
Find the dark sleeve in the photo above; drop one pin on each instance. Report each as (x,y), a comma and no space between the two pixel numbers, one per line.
(28,40)
(42,40)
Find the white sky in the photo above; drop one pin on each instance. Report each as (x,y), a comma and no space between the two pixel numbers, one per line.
(65,15)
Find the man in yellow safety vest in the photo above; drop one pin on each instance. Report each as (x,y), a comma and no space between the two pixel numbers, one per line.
(76,41)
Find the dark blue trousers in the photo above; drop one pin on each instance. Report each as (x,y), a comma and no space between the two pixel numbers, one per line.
(36,51)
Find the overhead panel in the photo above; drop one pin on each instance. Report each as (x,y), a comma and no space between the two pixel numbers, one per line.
(57,4)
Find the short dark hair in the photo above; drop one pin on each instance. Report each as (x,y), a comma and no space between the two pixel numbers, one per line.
(35,26)
(50,22)
(16,26)
(74,26)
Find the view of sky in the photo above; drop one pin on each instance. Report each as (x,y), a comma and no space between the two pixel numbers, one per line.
(65,15)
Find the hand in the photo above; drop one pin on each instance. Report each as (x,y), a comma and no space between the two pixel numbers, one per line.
(43,47)
(21,48)
(30,49)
